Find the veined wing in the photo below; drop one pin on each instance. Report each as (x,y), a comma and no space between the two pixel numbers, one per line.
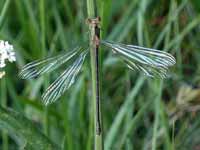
(46,65)
(64,81)
(150,61)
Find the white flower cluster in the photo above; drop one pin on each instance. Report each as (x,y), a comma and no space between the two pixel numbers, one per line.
(2,73)
(6,54)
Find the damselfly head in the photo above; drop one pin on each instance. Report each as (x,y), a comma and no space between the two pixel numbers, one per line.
(93,21)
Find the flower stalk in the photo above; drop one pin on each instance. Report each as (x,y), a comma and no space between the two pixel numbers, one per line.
(7,54)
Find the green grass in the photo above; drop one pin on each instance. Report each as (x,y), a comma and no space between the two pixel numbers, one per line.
(138,113)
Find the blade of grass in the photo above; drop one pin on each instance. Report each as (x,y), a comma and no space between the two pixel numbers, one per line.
(3,12)
(186,30)
(23,131)
(59,27)
(140,21)
(171,19)
(114,129)
(165,126)
(30,28)
(132,125)
(125,21)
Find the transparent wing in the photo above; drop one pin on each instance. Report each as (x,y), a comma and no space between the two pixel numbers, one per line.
(150,61)
(64,81)
(46,65)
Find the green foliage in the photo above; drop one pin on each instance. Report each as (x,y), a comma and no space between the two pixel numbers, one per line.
(23,131)
(138,113)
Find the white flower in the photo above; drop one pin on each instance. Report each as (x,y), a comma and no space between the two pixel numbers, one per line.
(6,54)
(2,74)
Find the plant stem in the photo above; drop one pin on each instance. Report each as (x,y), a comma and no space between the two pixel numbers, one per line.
(94,54)
(4,104)
(43,48)
(90,8)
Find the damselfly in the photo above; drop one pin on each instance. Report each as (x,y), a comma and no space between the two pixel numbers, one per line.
(152,62)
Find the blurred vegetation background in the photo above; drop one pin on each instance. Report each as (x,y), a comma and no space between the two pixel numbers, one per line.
(138,113)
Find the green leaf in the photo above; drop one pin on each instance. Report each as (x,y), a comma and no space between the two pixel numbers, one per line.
(23,131)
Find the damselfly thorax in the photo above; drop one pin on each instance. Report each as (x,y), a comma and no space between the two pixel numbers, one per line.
(151,62)
(94,24)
